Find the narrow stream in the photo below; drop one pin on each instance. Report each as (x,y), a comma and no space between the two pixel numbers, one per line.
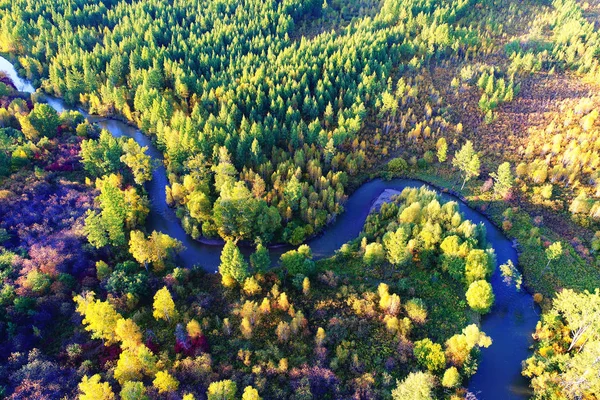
(509,324)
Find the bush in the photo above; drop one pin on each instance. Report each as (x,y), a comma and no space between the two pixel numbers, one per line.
(397,165)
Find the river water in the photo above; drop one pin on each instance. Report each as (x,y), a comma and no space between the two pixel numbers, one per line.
(509,324)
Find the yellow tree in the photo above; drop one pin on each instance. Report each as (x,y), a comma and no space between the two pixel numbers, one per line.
(92,389)
(128,333)
(165,382)
(129,367)
(99,317)
(164,306)
(250,394)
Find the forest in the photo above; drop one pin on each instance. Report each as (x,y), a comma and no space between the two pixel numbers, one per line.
(456,142)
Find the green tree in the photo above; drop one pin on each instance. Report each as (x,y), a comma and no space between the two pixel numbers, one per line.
(467,161)
(293,192)
(298,261)
(235,212)
(260,259)
(480,296)
(233,266)
(44,119)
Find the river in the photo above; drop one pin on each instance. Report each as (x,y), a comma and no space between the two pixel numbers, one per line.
(510,322)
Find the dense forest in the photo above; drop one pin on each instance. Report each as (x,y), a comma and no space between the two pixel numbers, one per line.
(270,116)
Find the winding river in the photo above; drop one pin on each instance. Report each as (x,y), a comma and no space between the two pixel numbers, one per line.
(509,324)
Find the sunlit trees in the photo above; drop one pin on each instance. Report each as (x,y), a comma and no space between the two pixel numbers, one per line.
(250,394)
(92,389)
(416,386)
(157,249)
(222,390)
(395,244)
(503,179)
(565,362)
(99,317)
(165,382)
(553,252)
(163,306)
(451,378)
(374,254)
(233,266)
(128,333)
(442,149)
(480,296)
(132,390)
(430,355)
(480,265)
(467,161)
(137,160)
(458,348)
